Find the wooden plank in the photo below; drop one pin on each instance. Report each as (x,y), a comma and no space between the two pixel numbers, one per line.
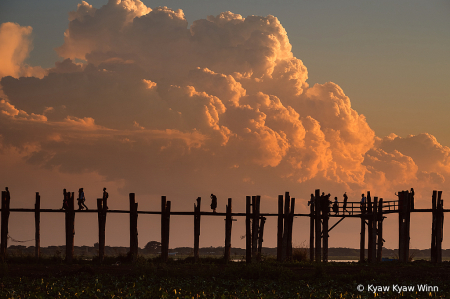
(184,213)
(284,244)
(37,226)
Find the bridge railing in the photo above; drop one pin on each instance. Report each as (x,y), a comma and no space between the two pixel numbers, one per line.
(390,205)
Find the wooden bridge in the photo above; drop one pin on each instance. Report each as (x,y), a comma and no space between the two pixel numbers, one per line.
(371,215)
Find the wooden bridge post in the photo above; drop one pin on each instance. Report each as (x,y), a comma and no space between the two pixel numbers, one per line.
(228,226)
(311,230)
(101,214)
(291,224)
(257,232)
(369,227)
(4,226)
(248,232)
(439,227)
(167,230)
(133,227)
(407,233)
(400,226)
(318,226)
(362,243)
(37,226)
(373,234)
(197,229)
(287,202)
(255,222)
(70,228)
(280,228)
(163,228)
(380,218)
(403,238)
(325,216)
(260,237)
(433,227)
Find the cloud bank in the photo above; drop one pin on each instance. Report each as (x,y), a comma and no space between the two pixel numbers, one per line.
(222,104)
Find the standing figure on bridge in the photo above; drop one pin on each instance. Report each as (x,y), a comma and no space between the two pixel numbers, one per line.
(311,201)
(105,196)
(328,202)
(363,203)
(213,202)
(8,195)
(81,199)
(323,203)
(65,200)
(336,206)
(344,208)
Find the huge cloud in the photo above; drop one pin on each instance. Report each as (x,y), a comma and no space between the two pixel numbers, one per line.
(223,103)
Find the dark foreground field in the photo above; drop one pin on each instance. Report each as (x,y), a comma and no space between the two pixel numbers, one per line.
(212,278)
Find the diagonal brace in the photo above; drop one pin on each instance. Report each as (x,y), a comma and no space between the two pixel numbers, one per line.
(334,225)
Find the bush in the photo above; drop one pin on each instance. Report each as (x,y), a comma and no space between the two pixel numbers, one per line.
(300,254)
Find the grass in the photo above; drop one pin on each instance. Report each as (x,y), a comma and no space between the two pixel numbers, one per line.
(211,278)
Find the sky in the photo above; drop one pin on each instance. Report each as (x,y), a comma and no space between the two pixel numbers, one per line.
(235,98)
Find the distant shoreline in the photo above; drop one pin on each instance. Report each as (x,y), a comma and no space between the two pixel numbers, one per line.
(91,251)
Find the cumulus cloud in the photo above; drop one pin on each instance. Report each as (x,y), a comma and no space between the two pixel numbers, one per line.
(15,46)
(223,104)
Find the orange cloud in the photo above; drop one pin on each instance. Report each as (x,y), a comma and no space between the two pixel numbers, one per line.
(15,46)
(221,103)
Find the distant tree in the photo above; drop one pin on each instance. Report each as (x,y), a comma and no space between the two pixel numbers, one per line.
(153,247)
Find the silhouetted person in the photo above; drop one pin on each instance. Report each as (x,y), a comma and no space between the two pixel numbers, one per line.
(335,206)
(311,201)
(8,195)
(323,205)
(213,202)
(363,203)
(105,196)
(81,200)
(344,208)
(328,202)
(65,200)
